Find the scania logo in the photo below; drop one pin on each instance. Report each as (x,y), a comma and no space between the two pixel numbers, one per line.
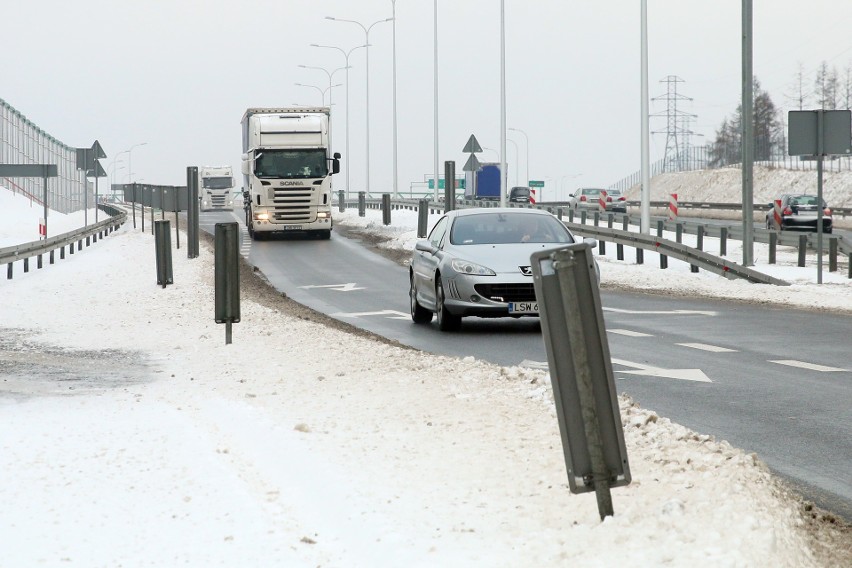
(526,270)
(291,183)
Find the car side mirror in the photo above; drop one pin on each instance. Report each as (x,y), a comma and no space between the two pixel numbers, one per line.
(424,246)
(591,242)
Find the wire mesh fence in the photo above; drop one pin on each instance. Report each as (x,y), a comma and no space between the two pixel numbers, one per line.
(23,142)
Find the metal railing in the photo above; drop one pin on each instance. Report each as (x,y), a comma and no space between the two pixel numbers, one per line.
(90,234)
(834,245)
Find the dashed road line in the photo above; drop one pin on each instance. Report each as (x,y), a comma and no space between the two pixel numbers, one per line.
(705,347)
(629,333)
(809,366)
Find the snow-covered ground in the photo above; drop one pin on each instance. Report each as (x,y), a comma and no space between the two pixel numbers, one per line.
(133,436)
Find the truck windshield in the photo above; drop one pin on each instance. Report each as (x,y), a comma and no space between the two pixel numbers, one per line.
(291,164)
(218,182)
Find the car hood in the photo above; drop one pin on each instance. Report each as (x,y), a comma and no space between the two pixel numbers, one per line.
(502,258)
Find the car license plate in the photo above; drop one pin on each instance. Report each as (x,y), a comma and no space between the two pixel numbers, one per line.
(523,307)
(292,227)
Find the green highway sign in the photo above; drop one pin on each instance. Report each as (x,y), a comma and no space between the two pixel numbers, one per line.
(459,183)
(535,183)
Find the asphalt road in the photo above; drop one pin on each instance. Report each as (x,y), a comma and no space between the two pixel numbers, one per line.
(774,381)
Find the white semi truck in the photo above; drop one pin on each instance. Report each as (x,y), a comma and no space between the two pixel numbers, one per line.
(287,168)
(215,184)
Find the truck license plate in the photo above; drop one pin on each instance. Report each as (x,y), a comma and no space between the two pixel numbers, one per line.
(523,307)
(292,227)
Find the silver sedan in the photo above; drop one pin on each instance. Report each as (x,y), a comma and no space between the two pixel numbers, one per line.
(476,262)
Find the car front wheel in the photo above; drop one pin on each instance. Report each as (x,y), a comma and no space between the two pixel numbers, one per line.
(446,320)
(419,314)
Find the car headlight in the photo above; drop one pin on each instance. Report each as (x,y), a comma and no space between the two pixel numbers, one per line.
(465,267)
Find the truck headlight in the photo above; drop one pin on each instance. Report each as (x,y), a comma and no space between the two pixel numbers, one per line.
(323,214)
(261,216)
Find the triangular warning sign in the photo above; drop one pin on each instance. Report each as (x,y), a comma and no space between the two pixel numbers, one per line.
(472,164)
(472,145)
(98,151)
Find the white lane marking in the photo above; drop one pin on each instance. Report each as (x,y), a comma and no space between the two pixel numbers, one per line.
(663,312)
(681,374)
(809,366)
(705,347)
(629,333)
(392,314)
(348,287)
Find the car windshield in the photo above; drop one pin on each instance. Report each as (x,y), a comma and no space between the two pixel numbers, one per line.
(590,191)
(613,192)
(505,228)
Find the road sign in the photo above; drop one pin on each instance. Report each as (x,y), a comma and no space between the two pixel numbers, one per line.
(472,145)
(804,137)
(96,171)
(581,371)
(536,183)
(441,185)
(472,164)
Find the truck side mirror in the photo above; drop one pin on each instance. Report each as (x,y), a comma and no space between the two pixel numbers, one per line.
(335,164)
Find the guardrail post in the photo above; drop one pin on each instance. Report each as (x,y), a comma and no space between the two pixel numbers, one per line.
(51,257)
(362,203)
(660,228)
(422,218)
(597,218)
(61,253)
(679,232)
(624,220)
(619,251)
(583,217)
(773,244)
(163,247)
(803,249)
(26,264)
(832,254)
(341,201)
(640,256)
(609,219)
(848,265)
(664,261)
(227,275)
(570,215)
(9,271)
(723,241)
(386,209)
(601,247)
(559,213)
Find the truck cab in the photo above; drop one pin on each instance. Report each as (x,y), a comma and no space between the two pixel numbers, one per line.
(287,169)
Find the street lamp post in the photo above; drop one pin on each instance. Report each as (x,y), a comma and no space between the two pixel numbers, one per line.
(527,161)
(393,17)
(367,73)
(321,91)
(346,55)
(330,75)
(130,158)
(517,158)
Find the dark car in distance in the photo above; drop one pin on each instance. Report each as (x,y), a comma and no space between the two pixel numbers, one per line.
(799,212)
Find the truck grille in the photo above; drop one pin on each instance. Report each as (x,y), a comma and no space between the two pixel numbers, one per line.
(292,205)
(507,292)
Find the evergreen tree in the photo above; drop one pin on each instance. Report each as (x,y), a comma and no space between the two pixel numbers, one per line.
(768,132)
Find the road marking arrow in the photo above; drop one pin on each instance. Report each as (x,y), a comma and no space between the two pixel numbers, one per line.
(391,313)
(348,287)
(663,312)
(648,371)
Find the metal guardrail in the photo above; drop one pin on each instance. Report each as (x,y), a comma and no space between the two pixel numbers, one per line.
(694,256)
(9,255)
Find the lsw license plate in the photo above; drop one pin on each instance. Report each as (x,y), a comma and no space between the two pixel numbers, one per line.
(523,307)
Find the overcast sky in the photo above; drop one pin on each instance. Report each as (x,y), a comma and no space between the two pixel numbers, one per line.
(179,75)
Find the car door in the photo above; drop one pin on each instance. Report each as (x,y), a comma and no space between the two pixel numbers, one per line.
(424,264)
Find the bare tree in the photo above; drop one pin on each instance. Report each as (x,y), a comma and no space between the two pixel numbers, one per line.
(826,87)
(798,95)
